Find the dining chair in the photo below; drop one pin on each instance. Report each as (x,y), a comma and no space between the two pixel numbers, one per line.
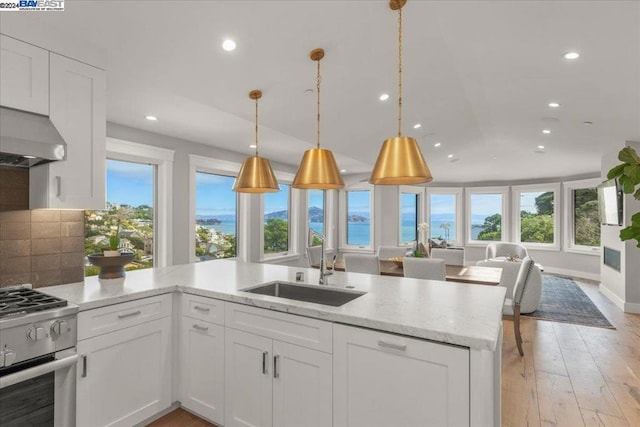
(450,256)
(314,255)
(523,280)
(361,263)
(424,268)
(386,252)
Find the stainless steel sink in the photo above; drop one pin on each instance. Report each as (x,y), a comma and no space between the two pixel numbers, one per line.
(307,293)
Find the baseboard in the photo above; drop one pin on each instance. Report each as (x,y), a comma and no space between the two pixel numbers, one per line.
(619,302)
(175,405)
(572,273)
(630,307)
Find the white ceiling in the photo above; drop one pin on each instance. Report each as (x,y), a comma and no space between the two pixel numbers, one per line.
(478,75)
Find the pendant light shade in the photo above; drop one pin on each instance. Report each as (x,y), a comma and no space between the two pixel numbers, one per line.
(256,175)
(318,169)
(400,160)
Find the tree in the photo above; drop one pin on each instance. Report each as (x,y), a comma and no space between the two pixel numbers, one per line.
(492,228)
(536,228)
(276,235)
(544,203)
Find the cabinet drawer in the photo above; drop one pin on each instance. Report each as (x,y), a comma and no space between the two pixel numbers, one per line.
(310,333)
(206,309)
(100,321)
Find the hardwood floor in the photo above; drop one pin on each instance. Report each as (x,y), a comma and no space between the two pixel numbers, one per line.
(569,376)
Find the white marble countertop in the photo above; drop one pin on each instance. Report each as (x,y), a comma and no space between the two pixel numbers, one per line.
(455,313)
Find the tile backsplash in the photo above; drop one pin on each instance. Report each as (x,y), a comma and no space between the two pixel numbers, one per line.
(42,247)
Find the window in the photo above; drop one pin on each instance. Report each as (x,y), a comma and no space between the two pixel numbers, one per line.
(486,215)
(582,217)
(216,214)
(358,218)
(315,213)
(408,218)
(535,211)
(276,222)
(445,214)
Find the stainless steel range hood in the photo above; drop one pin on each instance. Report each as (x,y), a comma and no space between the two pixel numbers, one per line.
(28,139)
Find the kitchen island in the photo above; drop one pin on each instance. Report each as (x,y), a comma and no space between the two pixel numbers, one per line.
(434,346)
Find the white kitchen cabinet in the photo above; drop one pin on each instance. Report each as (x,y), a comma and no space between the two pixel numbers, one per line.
(77,107)
(202,368)
(273,382)
(382,379)
(24,76)
(124,375)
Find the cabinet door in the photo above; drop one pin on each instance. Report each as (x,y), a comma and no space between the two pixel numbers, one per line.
(248,394)
(124,377)
(302,393)
(389,380)
(24,76)
(202,368)
(78,110)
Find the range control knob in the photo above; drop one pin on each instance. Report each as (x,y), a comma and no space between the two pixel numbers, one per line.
(36,333)
(59,327)
(7,357)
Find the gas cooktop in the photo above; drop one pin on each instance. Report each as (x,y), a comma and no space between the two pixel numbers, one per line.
(22,300)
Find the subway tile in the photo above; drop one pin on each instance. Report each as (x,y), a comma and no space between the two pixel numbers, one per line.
(72,229)
(14,279)
(45,215)
(15,216)
(40,279)
(72,259)
(44,230)
(72,275)
(72,216)
(15,231)
(45,246)
(72,244)
(45,262)
(15,248)
(16,265)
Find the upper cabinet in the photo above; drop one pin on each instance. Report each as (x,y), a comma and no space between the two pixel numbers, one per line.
(24,76)
(77,99)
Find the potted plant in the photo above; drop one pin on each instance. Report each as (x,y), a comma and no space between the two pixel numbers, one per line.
(114,246)
(112,260)
(628,175)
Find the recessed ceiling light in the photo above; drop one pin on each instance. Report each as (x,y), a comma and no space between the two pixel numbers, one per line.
(252,146)
(29,157)
(437,144)
(587,123)
(228,45)
(343,170)
(151,118)
(554,105)
(546,131)
(571,55)
(384,97)
(417,126)
(541,147)
(450,156)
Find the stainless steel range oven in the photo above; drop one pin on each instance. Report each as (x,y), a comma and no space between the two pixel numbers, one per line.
(38,358)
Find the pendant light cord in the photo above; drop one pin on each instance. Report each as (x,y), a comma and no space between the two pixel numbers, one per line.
(318,80)
(400,71)
(256,127)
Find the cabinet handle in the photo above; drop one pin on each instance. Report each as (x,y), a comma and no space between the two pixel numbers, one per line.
(200,328)
(58,186)
(276,360)
(84,366)
(265,355)
(203,309)
(400,347)
(124,316)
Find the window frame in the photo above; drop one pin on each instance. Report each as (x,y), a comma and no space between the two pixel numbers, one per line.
(516,191)
(420,210)
(324,213)
(290,225)
(569,217)
(162,159)
(342,221)
(459,211)
(504,191)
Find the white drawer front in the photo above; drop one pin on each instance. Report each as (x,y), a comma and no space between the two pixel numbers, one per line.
(207,309)
(102,320)
(303,331)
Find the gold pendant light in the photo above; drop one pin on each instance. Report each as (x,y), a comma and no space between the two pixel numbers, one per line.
(256,175)
(400,161)
(318,169)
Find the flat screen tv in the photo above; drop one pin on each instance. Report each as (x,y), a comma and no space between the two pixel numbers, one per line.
(610,202)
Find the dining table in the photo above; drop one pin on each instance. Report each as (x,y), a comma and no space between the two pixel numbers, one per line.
(473,274)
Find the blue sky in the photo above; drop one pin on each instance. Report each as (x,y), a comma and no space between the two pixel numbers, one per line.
(130,183)
(486,204)
(274,202)
(214,195)
(359,203)
(316,198)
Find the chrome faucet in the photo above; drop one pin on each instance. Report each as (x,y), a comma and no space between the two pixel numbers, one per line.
(324,273)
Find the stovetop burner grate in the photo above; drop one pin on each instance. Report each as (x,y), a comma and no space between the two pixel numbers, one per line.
(14,301)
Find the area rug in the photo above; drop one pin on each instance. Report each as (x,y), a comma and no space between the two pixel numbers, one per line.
(563,301)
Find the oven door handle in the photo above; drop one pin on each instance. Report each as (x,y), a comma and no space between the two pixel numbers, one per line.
(36,371)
